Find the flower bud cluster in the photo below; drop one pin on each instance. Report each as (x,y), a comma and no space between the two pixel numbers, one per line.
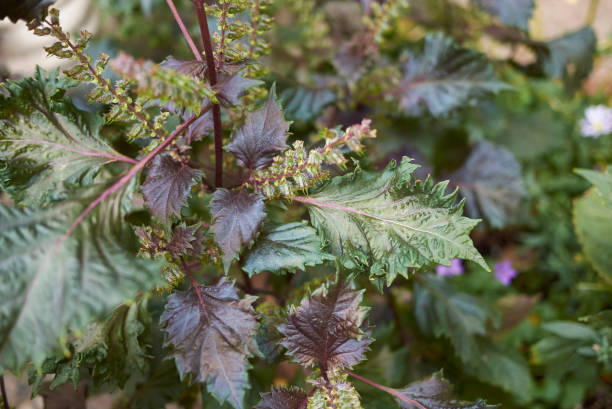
(383,16)
(295,169)
(335,393)
(122,106)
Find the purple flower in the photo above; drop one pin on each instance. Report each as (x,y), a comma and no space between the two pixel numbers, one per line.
(504,273)
(597,121)
(455,268)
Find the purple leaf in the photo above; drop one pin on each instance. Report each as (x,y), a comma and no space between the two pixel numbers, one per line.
(186,240)
(283,398)
(212,339)
(237,217)
(325,330)
(262,136)
(231,87)
(434,392)
(24,9)
(167,185)
(195,68)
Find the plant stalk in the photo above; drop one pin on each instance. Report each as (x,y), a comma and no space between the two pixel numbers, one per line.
(212,79)
(4,395)
(177,17)
(592,13)
(390,391)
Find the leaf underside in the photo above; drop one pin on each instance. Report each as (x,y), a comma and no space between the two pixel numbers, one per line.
(511,12)
(391,223)
(213,344)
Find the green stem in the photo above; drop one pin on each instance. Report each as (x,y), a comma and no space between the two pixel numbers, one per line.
(592,13)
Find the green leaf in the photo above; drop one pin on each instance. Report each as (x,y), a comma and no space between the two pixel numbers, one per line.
(593,222)
(441,311)
(285,248)
(47,146)
(305,103)
(111,351)
(444,77)
(511,12)
(48,289)
(490,180)
(571,330)
(569,57)
(434,392)
(391,222)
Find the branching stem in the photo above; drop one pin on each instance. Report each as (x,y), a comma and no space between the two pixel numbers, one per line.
(390,391)
(212,79)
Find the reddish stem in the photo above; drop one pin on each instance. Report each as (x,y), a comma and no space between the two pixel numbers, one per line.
(212,79)
(195,287)
(390,391)
(177,17)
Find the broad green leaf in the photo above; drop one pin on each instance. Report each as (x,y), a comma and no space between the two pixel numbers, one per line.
(491,182)
(441,311)
(434,392)
(571,330)
(593,222)
(213,331)
(285,248)
(46,290)
(47,146)
(444,77)
(111,351)
(569,57)
(390,222)
(306,103)
(511,12)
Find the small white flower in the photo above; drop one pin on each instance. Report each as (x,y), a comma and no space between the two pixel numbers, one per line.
(597,121)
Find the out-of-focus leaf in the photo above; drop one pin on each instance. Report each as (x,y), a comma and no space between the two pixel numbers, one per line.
(571,330)
(434,392)
(514,309)
(213,341)
(283,398)
(511,12)
(444,77)
(306,103)
(325,330)
(47,146)
(441,311)
(24,9)
(237,216)
(167,185)
(269,337)
(491,182)
(391,222)
(569,57)
(285,248)
(262,136)
(593,221)
(90,273)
